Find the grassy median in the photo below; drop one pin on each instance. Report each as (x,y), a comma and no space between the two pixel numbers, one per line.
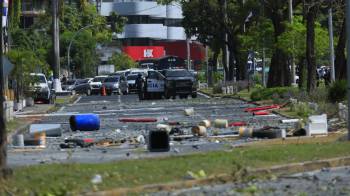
(60,179)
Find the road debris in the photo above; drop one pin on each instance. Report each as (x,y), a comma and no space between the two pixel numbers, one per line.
(317,125)
(51,130)
(205,123)
(84,122)
(158,141)
(189,111)
(220,123)
(199,131)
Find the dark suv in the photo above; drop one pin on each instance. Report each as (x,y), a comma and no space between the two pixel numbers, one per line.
(179,82)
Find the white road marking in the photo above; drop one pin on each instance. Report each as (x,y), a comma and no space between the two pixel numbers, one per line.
(76,101)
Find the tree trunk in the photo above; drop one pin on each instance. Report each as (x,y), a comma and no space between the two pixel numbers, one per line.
(340,60)
(279,74)
(310,48)
(302,73)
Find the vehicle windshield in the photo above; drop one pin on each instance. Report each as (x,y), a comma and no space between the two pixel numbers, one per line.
(99,79)
(177,73)
(39,79)
(111,79)
(132,77)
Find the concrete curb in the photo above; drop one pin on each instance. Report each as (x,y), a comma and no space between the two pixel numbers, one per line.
(277,170)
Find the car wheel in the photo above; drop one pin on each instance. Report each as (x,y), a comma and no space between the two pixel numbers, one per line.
(167,95)
(194,95)
(88,92)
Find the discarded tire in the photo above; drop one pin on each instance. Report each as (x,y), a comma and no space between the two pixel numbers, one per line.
(84,122)
(158,141)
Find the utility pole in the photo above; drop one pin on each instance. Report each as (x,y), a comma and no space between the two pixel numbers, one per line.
(348,57)
(263,54)
(331,44)
(56,47)
(3,135)
(290,2)
(188,53)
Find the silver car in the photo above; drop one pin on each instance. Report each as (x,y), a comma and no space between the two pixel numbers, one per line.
(116,84)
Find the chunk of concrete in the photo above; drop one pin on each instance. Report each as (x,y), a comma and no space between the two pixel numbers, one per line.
(51,130)
(317,125)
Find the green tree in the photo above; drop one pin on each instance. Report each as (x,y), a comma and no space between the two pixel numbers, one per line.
(122,61)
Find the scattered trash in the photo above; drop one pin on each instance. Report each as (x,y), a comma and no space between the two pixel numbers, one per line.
(255,109)
(138,120)
(19,140)
(176,131)
(84,122)
(199,131)
(266,132)
(290,120)
(164,127)
(51,130)
(220,123)
(158,141)
(205,123)
(261,113)
(189,111)
(41,138)
(237,124)
(97,179)
(141,139)
(317,125)
(81,142)
(196,176)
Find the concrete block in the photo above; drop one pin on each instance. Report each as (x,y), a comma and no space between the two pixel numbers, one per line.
(29,101)
(317,125)
(51,130)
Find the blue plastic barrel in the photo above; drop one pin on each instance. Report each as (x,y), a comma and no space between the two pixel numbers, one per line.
(84,122)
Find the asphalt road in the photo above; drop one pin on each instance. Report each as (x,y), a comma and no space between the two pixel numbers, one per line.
(111,108)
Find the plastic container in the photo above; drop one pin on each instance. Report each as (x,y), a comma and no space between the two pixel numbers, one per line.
(158,141)
(84,122)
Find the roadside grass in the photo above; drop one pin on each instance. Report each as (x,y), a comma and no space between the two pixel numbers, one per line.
(14,125)
(63,179)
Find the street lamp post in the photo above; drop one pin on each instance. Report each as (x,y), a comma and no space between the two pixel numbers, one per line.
(70,45)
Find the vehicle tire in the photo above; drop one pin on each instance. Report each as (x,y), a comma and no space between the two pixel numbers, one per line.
(88,92)
(194,95)
(167,94)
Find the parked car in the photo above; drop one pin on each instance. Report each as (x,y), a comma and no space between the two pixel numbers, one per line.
(68,85)
(96,84)
(131,78)
(116,84)
(39,88)
(179,82)
(82,86)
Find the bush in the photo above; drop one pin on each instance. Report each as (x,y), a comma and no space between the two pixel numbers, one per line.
(217,89)
(337,91)
(269,93)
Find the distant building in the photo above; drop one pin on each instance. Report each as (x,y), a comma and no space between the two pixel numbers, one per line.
(152,30)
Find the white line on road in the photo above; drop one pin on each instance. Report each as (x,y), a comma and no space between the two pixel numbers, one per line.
(76,101)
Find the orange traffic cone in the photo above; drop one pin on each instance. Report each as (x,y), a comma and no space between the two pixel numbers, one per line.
(103,91)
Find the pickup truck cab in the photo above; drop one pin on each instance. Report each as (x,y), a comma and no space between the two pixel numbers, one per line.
(179,82)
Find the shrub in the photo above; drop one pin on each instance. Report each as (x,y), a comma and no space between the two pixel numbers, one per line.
(269,93)
(217,89)
(337,91)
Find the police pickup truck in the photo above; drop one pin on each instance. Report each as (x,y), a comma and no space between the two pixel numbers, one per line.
(168,83)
